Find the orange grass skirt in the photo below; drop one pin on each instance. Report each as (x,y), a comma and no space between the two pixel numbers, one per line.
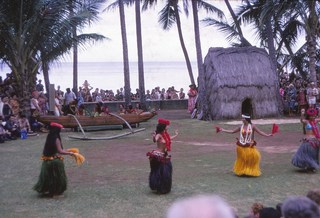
(247,162)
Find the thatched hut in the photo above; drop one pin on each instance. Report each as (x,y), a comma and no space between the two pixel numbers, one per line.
(240,80)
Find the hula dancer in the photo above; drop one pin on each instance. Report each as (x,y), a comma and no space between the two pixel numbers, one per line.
(160,177)
(307,156)
(248,156)
(53,179)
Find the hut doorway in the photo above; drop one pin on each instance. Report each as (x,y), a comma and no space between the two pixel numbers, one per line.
(246,107)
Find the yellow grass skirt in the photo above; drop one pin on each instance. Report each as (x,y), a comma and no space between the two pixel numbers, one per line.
(247,162)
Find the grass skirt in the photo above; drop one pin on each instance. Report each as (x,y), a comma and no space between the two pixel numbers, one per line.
(52,179)
(247,162)
(160,177)
(307,156)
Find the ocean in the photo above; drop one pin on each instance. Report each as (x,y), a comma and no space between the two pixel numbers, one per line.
(109,75)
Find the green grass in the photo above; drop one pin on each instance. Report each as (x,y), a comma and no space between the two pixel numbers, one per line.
(113,182)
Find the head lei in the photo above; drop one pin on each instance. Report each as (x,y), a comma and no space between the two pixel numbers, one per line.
(312,112)
(163,121)
(245,116)
(56,125)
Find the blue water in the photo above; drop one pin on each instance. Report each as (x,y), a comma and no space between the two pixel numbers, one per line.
(109,75)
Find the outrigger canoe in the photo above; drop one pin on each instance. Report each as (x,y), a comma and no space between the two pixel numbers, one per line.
(71,121)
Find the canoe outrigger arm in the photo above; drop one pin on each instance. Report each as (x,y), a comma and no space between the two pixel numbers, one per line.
(85,137)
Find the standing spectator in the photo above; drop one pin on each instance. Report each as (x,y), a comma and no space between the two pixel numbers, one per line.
(302,100)
(35,108)
(69,97)
(192,93)
(57,105)
(39,86)
(148,95)
(291,99)
(312,93)
(182,95)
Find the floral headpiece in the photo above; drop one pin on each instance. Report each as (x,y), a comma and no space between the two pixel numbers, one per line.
(245,116)
(312,112)
(163,121)
(56,125)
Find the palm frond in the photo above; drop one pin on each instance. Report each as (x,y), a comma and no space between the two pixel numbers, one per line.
(167,17)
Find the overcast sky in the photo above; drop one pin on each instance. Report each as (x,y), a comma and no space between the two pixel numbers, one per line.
(158,45)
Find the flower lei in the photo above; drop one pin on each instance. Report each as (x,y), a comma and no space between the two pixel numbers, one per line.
(165,135)
(248,137)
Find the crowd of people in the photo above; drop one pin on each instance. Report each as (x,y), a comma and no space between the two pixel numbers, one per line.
(14,123)
(298,93)
(214,206)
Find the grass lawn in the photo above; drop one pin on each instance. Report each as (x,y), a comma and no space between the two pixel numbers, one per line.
(113,182)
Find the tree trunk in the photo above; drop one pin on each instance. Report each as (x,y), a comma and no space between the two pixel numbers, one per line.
(244,41)
(183,46)
(75,65)
(202,99)
(313,25)
(274,62)
(127,89)
(45,71)
(140,56)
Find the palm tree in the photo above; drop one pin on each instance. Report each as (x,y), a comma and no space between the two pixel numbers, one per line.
(91,8)
(169,15)
(140,55)
(30,39)
(306,16)
(126,70)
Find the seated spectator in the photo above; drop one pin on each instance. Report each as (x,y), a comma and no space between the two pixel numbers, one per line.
(13,127)
(121,110)
(314,195)
(203,206)
(24,124)
(6,110)
(269,212)
(98,109)
(81,110)
(130,110)
(300,207)
(73,108)
(104,111)
(4,134)
(255,209)
(138,108)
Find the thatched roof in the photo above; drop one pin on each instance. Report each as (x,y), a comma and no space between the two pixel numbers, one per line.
(233,75)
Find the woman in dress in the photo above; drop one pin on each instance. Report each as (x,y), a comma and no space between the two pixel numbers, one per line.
(248,156)
(307,156)
(160,177)
(192,94)
(53,179)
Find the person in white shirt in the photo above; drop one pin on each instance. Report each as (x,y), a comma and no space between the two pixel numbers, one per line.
(312,93)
